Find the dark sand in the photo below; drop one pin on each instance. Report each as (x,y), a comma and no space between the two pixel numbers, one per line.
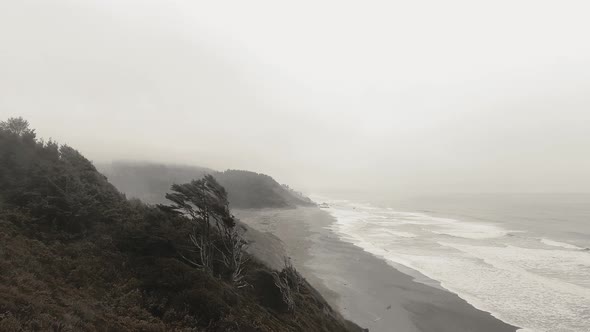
(364,288)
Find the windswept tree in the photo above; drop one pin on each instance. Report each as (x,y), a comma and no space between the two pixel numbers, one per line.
(205,203)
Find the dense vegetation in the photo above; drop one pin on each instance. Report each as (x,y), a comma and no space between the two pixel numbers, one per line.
(76,255)
(150,182)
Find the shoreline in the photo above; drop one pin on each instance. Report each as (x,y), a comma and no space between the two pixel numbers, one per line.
(364,288)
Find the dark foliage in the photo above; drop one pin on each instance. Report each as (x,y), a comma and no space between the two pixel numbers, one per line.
(75,255)
(55,184)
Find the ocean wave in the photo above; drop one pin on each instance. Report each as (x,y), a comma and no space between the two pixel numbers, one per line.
(401,234)
(472,231)
(560,244)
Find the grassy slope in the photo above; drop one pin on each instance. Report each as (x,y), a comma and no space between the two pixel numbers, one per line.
(124,283)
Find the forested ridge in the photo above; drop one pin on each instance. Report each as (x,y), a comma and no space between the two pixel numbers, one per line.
(77,255)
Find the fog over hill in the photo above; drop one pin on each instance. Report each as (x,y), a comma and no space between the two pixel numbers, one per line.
(414,96)
(151,181)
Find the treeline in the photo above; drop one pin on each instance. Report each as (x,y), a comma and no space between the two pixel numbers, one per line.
(76,255)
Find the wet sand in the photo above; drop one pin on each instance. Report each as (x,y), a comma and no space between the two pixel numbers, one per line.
(364,288)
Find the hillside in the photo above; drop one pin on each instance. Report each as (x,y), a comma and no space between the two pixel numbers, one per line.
(253,190)
(76,255)
(151,181)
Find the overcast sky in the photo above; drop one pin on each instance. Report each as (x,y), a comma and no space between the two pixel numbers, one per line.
(400,96)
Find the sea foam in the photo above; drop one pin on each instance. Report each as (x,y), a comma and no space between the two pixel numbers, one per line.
(538,288)
(560,244)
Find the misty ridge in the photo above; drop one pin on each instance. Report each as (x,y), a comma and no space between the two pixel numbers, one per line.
(150,181)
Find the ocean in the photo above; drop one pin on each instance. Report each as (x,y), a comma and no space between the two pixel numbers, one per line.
(524,258)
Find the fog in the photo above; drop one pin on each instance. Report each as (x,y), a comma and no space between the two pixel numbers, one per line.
(405,96)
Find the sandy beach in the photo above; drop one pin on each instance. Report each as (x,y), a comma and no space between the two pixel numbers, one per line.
(362,287)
